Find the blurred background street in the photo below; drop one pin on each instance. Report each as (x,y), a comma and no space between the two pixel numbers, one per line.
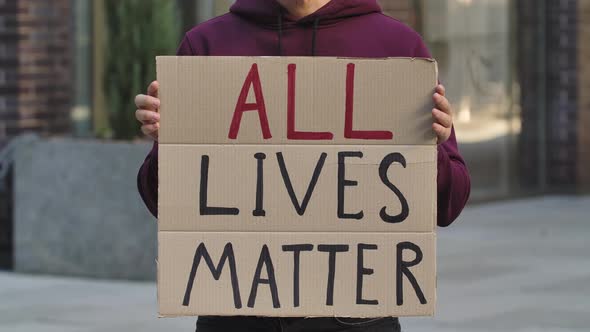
(518,266)
(78,247)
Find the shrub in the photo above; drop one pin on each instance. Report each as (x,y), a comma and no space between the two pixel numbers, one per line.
(137,31)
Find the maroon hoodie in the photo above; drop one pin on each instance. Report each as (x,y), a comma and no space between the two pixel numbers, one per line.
(350,28)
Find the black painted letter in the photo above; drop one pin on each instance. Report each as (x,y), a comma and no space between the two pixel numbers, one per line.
(296,249)
(228,254)
(383,168)
(210,210)
(300,208)
(332,249)
(402,269)
(361,271)
(271,281)
(342,182)
(259,210)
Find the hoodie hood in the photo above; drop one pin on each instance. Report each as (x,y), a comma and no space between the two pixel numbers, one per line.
(268,12)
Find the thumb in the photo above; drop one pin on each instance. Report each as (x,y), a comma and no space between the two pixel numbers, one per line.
(153,89)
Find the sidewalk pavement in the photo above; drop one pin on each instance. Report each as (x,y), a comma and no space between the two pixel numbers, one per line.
(510,266)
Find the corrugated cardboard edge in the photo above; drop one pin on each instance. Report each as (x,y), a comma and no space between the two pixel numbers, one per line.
(432,314)
(158,285)
(171,58)
(161,57)
(159,60)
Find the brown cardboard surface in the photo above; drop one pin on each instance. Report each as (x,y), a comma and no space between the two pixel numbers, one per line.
(199,131)
(389,94)
(232,182)
(216,297)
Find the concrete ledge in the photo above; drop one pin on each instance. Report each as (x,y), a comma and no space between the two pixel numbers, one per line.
(77,211)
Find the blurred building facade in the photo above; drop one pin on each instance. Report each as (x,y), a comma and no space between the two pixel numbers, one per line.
(36,58)
(517,73)
(36,85)
(553,70)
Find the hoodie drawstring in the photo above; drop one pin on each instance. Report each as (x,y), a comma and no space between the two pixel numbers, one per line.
(280,33)
(313,36)
(314,33)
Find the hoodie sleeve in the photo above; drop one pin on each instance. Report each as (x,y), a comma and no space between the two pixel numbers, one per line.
(147,177)
(453,181)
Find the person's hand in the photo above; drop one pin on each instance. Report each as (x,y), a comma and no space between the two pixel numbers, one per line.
(148,107)
(442,115)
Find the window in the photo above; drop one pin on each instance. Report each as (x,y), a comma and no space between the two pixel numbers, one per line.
(473,43)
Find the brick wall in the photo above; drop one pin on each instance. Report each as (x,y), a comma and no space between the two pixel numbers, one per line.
(554,89)
(35,66)
(8,64)
(562,93)
(530,76)
(8,110)
(584,94)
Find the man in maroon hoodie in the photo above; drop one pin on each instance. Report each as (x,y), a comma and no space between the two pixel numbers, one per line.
(349,28)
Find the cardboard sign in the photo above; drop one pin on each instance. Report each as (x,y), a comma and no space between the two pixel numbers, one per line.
(296,187)
(276,184)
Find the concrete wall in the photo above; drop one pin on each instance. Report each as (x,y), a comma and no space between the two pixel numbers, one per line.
(78,213)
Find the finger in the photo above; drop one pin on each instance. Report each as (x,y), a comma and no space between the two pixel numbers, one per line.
(443,118)
(147,116)
(441,132)
(442,103)
(147,102)
(150,129)
(153,89)
(440,89)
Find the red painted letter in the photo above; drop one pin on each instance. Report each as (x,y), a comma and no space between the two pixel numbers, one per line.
(253,79)
(292,133)
(348,131)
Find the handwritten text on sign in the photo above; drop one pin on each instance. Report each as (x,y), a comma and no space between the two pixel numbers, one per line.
(265,209)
